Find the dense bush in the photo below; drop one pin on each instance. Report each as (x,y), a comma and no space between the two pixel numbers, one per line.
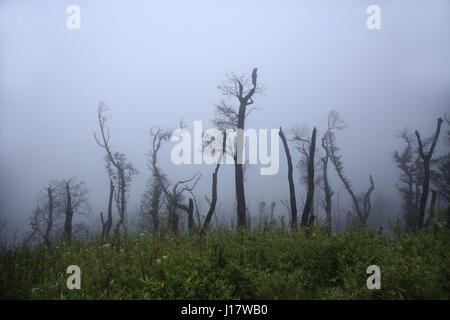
(276,264)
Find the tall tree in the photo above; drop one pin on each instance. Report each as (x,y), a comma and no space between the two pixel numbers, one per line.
(175,195)
(426,157)
(213,202)
(227,117)
(362,209)
(120,170)
(43,217)
(292,198)
(72,195)
(306,146)
(328,191)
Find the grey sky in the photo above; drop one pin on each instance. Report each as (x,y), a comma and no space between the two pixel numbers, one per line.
(156,62)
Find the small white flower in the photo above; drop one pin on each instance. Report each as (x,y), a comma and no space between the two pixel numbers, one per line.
(122,251)
(106,245)
(164,257)
(158,260)
(34,289)
(111,282)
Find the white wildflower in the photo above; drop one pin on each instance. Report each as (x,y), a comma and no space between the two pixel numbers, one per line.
(164,257)
(106,245)
(158,260)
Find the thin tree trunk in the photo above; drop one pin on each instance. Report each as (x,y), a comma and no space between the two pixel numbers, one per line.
(212,206)
(293,200)
(432,208)
(426,170)
(190,214)
(69,213)
(50,218)
(310,194)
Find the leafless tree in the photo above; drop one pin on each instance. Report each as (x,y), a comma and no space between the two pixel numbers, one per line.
(120,170)
(43,216)
(292,198)
(213,202)
(227,117)
(174,195)
(328,191)
(362,209)
(72,199)
(306,146)
(151,203)
(426,167)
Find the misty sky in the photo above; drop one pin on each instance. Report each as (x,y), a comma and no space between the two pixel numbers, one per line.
(157,62)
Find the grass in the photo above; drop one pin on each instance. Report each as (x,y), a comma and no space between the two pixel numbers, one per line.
(275,264)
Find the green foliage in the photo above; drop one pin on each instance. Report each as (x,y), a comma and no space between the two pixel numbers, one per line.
(273,264)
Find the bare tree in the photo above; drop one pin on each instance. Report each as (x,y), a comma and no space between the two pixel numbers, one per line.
(328,191)
(213,202)
(410,179)
(426,167)
(175,195)
(43,217)
(292,198)
(306,146)
(72,199)
(151,203)
(362,210)
(227,117)
(120,170)
(307,216)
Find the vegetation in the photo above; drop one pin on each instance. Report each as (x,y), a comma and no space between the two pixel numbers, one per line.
(303,263)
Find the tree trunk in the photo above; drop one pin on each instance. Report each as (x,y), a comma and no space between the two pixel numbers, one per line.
(239,170)
(69,213)
(190,214)
(432,208)
(110,203)
(310,194)
(50,218)
(426,170)
(293,200)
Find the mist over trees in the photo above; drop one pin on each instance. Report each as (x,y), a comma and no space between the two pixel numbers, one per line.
(423,181)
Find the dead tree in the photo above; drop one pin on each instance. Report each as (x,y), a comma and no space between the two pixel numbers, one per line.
(426,167)
(306,147)
(328,191)
(72,195)
(42,219)
(307,216)
(150,204)
(107,225)
(213,202)
(175,195)
(228,118)
(292,198)
(335,123)
(120,170)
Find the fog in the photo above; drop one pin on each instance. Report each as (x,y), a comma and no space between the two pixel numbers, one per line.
(155,63)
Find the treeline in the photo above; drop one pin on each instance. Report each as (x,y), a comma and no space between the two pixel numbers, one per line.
(164,201)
